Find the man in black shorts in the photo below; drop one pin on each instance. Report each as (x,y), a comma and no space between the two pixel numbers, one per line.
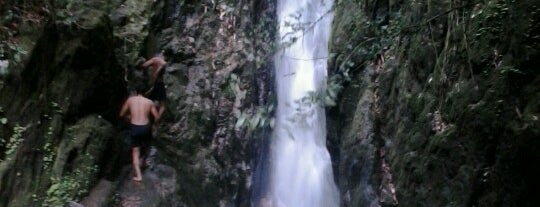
(157,69)
(138,110)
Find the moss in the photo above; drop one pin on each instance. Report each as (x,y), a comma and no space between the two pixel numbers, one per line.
(85,138)
(131,22)
(463,64)
(76,162)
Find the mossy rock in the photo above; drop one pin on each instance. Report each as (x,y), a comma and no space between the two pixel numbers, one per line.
(76,165)
(81,145)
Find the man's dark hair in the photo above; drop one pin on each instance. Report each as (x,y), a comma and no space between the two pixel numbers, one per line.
(139,62)
(167,53)
(139,87)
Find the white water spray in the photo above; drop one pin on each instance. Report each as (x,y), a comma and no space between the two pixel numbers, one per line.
(301,166)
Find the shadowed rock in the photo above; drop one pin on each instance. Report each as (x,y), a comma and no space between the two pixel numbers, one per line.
(155,189)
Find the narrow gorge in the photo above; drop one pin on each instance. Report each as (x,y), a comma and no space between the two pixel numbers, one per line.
(273,103)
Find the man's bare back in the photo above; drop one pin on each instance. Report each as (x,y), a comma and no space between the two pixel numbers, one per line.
(158,92)
(140,109)
(156,64)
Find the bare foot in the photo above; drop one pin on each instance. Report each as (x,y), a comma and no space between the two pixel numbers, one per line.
(137,179)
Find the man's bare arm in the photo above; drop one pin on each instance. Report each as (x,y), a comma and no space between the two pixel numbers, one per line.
(124,110)
(154,113)
(156,71)
(148,63)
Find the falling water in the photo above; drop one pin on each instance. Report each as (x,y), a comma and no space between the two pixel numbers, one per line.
(301,167)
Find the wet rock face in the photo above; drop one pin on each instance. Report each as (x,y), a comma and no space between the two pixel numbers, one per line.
(158,184)
(82,63)
(69,74)
(207,43)
(130,21)
(438,117)
(76,163)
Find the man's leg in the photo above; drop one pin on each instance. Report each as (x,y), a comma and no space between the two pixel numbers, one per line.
(143,156)
(135,152)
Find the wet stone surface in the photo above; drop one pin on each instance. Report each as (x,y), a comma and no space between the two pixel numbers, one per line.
(158,183)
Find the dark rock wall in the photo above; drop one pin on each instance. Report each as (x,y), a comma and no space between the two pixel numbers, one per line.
(442,105)
(78,64)
(439,105)
(70,74)
(218,68)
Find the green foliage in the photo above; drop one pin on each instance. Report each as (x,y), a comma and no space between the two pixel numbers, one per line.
(14,141)
(328,96)
(64,14)
(264,45)
(250,118)
(12,51)
(61,191)
(3,119)
(67,12)
(71,186)
(56,107)
(504,70)
(261,117)
(48,149)
(16,51)
(234,85)
(488,28)
(492,15)
(79,13)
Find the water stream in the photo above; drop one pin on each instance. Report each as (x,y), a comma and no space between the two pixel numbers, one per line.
(301,174)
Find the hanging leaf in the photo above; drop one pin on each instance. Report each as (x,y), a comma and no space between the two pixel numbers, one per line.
(250,57)
(331,92)
(272,122)
(270,108)
(329,102)
(240,121)
(255,121)
(53,188)
(263,122)
(234,77)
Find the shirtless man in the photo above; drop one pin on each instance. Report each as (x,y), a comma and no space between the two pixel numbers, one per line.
(138,109)
(158,95)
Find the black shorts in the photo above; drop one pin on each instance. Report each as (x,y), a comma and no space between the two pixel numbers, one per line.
(158,92)
(140,135)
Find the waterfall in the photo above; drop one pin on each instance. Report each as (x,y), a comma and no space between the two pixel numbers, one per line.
(301,174)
